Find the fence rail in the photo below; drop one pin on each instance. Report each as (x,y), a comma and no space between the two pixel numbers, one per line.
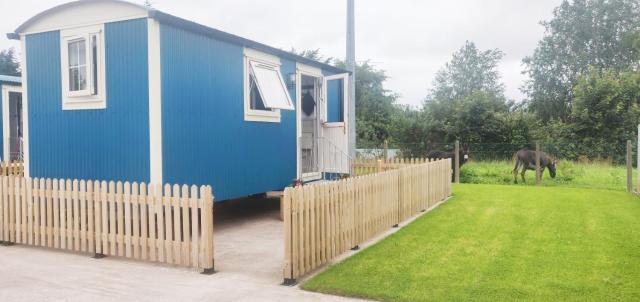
(170,224)
(321,221)
(369,166)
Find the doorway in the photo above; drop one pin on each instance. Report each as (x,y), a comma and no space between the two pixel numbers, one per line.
(311,116)
(13,126)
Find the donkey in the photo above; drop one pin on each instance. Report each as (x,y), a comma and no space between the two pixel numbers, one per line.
(527,160)
(464,156)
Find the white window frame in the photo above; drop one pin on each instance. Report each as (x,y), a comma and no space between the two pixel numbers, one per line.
(273,115)
(273,70)
(84,99)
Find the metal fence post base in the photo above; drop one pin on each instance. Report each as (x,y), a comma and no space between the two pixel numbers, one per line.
(98,256)
(289,282)
(6,243)
(208,271)
(355,248)
(395,225)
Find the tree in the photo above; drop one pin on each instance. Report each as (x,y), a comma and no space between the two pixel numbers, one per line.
(466,102)
(581,34)
(605,113)
(8,63)
(313,54)
(376,109)
(470,70)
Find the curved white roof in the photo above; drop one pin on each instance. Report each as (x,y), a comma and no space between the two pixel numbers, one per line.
(82,12)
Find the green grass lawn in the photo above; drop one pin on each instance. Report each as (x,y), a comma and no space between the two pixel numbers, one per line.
(503,243)
(569,174)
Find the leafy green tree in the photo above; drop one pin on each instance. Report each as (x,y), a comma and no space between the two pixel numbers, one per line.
(376,108)
(466,102)
(470,70)
(582,33)
(606,112)
(8,63)
(313,54)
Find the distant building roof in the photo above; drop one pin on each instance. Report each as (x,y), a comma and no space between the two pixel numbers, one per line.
(10,79)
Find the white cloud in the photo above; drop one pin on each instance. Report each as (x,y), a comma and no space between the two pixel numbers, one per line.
(410,39)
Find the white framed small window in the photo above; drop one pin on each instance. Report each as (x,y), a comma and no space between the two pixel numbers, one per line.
(265,92)
(83,68)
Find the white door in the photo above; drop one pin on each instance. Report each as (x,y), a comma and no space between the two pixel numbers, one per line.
(335,145)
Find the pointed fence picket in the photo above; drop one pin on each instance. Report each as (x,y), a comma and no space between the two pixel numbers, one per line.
(131,220)
(12,168)
(322,221)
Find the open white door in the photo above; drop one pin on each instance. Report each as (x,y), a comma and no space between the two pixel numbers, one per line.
(335,145)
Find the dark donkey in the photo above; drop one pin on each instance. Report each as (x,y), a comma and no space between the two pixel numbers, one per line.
(527,160)
(464,156)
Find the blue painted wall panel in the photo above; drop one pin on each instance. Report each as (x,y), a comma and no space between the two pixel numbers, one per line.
(335,101)
(205,137)
(1,123)
(107,144)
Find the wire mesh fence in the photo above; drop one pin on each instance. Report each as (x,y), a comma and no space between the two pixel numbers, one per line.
(576,165)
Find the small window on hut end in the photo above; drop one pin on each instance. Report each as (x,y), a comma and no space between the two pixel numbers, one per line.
(83,68)
(265,92)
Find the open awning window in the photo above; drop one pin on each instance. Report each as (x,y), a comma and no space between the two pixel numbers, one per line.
(271,86)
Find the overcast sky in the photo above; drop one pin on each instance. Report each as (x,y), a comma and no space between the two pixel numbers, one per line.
(410,39)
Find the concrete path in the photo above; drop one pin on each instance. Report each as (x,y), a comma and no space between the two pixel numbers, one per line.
(248,254)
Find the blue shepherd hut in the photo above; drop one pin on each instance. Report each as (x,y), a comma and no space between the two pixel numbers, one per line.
(11,144)
(118,91)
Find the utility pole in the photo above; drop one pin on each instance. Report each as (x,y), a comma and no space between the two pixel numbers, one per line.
(351,66)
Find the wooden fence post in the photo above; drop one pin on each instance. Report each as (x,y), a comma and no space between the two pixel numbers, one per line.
(456,171)
(385,154)
(538,174)
(289,278)
(629,168)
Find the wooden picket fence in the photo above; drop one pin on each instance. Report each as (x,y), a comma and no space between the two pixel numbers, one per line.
(322,221)
(12,168)
(137,221)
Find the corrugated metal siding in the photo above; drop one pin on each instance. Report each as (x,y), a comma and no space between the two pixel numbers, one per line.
(1,123)
(205,137)
(109,144)
(334,101)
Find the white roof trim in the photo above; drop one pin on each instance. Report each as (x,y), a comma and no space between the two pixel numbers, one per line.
(82,13)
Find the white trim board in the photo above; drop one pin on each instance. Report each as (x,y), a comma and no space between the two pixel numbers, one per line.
(155,103)
(25,108)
